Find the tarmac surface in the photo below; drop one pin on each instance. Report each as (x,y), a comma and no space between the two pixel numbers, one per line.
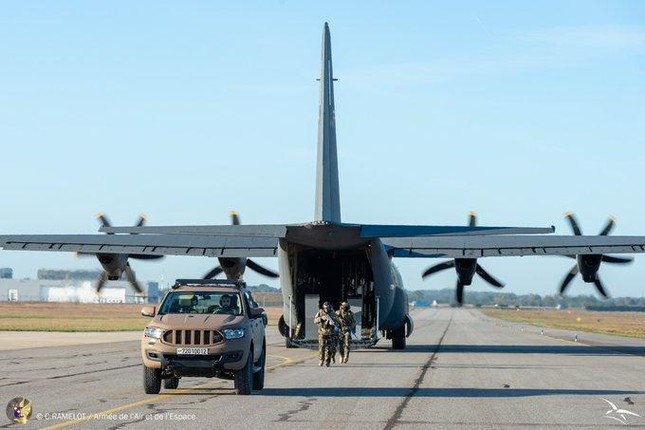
(460,369)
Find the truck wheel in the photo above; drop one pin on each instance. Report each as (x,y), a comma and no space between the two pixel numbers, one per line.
(151,380)
(287,343)
(171,383)
(244,377)
(258,371)
(398,338)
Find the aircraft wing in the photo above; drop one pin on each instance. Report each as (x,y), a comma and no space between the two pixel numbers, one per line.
(266,230)
(507,246)
(374,230)
(144,244)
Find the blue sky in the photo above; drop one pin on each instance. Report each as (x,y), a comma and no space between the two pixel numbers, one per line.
(184,111)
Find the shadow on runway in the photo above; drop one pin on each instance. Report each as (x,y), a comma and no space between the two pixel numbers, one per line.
(582,350)
(435,392)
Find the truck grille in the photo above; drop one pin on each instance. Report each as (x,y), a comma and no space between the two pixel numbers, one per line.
(192,337)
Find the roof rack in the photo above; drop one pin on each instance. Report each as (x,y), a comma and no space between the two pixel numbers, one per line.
(238,283)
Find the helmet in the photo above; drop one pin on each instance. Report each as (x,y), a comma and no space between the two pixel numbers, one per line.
(327,305)
(344,305)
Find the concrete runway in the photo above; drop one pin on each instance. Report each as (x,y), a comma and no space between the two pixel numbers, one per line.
(460,369)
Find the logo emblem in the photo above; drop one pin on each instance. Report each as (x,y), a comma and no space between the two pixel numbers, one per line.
(618,414)
(19,410)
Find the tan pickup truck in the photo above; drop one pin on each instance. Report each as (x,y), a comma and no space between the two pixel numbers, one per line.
(208,328)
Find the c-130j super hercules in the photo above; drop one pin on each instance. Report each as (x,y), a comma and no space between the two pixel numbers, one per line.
(329,260)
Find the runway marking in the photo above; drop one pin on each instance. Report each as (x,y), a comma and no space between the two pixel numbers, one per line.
(394,419)
(578,342)
(180,392)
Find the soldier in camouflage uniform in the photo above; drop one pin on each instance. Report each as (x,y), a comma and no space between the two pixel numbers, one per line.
(347,324)
(336,334)
(325,318)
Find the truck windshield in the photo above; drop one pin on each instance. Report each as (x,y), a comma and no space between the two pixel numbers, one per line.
(183,302)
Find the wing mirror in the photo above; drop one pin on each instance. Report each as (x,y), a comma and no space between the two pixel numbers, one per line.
(259,313)
(148,311)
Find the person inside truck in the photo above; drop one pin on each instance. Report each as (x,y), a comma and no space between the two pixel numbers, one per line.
(227,305)
(182,305)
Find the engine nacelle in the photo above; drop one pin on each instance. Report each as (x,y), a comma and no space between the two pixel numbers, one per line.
(233,267)
(113,264)
(588,266)
(465,268)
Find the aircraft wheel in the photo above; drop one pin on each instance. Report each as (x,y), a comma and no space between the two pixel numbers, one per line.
(398,338)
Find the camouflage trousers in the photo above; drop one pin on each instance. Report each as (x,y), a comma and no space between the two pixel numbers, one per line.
(324,348)
(333,345)
(345,340)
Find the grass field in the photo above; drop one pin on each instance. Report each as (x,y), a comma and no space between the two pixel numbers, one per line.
(71,317)
(630,324)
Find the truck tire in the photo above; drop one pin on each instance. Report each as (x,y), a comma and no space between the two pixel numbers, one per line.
(171,383)
(244,377)
(258,371)
(287,343)
(398,338)
(151,380)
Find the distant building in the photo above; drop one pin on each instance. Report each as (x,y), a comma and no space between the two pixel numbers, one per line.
(66,290)
(73,275)
(6,273)
(153,292)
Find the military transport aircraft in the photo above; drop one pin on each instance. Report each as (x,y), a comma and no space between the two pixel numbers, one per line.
(329,260)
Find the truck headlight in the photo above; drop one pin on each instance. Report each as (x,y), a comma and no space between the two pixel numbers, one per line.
(233,333)
(153,332)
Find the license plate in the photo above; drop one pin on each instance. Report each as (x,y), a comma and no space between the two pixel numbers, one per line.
(192,351)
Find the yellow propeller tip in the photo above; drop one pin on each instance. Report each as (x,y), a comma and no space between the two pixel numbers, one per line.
(234,213)
(568,214)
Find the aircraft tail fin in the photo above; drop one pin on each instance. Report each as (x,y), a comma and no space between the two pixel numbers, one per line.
(327,188)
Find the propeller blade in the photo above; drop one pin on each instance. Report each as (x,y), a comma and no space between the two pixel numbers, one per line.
(617,260)
(129,274)
(235,218)
(141,221)
(600,288)
(574,223)
(567,279)
(103,219)
(213,273)
(460,293)
(611,222)
(102,280)
(438,268)
(487,277)
(259,269)
(145,256)
(472,219)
